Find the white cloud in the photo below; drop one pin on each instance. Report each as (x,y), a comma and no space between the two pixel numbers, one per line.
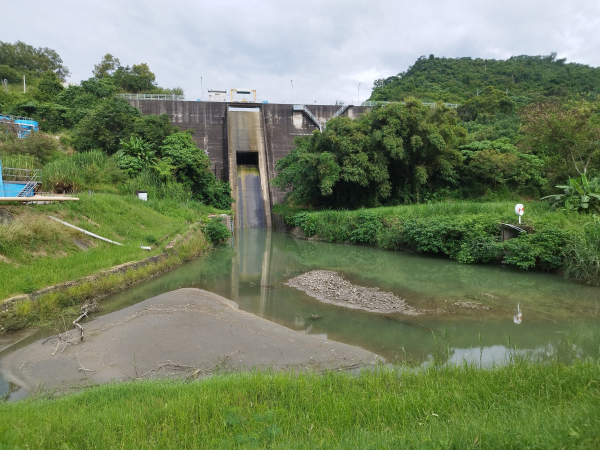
(326,47)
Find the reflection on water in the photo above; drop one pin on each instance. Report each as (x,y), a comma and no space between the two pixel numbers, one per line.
(519,316)
(560,313)
(562,317)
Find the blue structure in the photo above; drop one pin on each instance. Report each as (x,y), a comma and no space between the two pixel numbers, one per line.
(23,125)
(18,182)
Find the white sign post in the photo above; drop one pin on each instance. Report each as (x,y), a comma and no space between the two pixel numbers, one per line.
(519,210)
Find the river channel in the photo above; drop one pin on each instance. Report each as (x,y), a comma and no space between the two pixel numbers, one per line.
(471,309)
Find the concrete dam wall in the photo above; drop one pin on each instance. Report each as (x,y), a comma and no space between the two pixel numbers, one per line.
(227,130)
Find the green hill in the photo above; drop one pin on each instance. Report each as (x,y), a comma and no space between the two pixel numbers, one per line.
(456,80)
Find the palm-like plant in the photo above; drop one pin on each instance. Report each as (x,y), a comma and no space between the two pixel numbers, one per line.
(580,194)
(139,149)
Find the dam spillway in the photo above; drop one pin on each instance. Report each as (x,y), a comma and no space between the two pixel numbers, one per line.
(247,167)
(225,130)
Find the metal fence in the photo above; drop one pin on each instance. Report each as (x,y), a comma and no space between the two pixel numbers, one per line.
(17,119)
(152,97)
(431,105)
(11,174)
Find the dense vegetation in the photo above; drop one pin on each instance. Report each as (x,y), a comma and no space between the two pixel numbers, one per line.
(103,142)
(406,153)
(525,128)
(520,405)
(467,232)
(522,126)
(523,79)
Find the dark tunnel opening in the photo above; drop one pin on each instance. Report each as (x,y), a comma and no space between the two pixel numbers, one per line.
(247,158)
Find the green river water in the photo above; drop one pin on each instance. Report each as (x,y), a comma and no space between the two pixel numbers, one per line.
(560,318)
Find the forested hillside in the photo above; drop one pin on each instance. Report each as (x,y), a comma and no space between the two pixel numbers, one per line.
(91,139)
(455,80)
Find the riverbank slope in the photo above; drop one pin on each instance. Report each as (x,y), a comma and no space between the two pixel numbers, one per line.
(469,232)
(37,252)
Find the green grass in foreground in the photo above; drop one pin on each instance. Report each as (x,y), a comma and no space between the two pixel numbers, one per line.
(36,251)
(521,405)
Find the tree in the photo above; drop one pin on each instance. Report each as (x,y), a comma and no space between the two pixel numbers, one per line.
(48,87)
(488,104)
(192,170)
(27,59)
(569,131)
(153,129)
(395,153)
(106,67)
(499,163)
(105,126)
(136,79)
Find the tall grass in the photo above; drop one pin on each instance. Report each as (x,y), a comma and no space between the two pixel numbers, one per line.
(150,181)
(20,161)
(89,170)
(521,405)
(582,260)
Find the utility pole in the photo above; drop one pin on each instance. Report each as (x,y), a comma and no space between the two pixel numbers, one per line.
(201,90)
(24,88)
(358,98)
(292,83)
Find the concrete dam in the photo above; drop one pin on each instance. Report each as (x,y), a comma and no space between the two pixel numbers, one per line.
(244,141)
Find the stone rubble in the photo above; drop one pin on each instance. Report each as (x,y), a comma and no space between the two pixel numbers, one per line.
(330,287)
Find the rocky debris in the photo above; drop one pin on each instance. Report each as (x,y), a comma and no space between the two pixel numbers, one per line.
(472,305)
(330,287)
(314,317)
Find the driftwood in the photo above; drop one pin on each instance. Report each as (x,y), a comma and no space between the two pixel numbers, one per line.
(81,368)
(66,337)
(195,371)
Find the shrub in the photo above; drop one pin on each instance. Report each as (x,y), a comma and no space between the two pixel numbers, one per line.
(366,228)
(306,222)
(215,231)
(37,144)
(580,194)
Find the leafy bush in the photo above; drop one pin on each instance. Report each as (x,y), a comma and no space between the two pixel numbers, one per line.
(134,155)
(37,145)
(580,194)
(216,231)
(192,170)
(457,231)
(367,227)
(306,222)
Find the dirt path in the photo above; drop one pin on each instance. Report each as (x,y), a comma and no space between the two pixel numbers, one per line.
(183,332)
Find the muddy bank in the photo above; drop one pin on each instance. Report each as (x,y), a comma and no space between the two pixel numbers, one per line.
(329,287)
(188,332)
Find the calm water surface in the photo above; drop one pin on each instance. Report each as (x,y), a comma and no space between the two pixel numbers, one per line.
(559,318)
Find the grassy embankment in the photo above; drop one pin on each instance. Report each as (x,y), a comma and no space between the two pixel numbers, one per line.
(36,252)
(468,232)
(520,405)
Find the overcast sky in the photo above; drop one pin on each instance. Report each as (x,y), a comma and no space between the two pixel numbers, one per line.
(326,47)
